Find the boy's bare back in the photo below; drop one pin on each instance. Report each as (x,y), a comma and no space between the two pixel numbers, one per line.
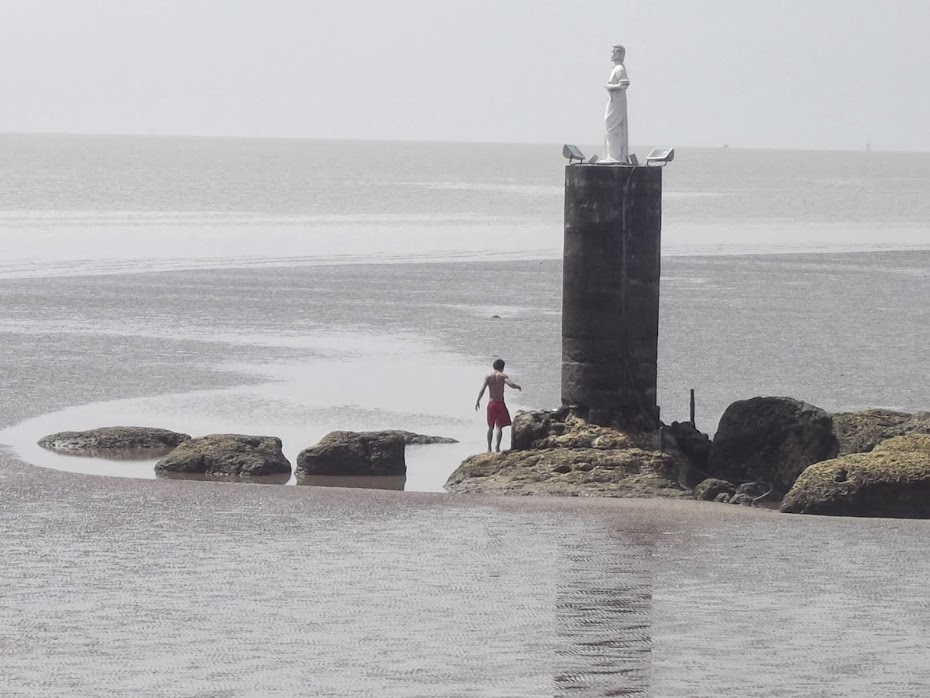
(496,382)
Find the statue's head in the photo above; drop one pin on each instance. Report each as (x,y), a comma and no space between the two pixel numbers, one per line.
(619,53)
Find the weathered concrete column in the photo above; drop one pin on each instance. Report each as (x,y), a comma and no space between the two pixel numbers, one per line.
(610,292)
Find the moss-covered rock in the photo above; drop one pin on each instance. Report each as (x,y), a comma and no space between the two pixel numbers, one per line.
(227,455)
(860,432)
(629,472)
(558,454)
(893,480)
(117,443)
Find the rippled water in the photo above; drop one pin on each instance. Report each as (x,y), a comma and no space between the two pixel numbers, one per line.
(199,589)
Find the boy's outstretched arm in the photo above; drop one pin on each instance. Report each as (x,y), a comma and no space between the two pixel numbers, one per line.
(512,384)
(481,393)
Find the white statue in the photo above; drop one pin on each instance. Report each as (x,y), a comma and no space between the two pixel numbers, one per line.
(618,133)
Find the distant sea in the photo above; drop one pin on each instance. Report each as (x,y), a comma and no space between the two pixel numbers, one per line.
(292,287)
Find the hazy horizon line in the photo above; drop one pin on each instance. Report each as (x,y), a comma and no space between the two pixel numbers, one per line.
(436,141)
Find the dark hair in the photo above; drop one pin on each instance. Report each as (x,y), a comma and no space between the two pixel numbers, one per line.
(498,365)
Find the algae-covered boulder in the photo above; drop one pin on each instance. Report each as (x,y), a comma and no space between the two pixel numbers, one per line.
(120,443)
(367,453)
(770,439)
(227,455)
(892,480)
(559,454)
(860,432)
(631,472)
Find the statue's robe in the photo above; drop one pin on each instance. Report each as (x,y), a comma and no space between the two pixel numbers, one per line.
(618,134)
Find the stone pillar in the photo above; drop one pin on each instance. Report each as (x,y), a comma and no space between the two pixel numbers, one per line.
(610,292)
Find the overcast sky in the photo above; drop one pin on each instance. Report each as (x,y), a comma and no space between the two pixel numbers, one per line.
(748,73)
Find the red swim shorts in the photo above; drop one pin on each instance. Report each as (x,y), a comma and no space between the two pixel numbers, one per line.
(498,414)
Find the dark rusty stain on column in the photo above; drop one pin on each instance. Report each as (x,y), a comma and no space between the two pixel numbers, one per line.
(610,291)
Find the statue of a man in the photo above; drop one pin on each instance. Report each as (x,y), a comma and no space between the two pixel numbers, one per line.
(618,134)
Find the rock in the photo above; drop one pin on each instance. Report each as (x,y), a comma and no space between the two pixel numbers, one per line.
(723,498)
(557,429)
(563,455)
(892,480)
(860,432)
(531,429)
(770,439)
(743,499)
(707,490)
(412,439)
(565,471)
(355,453)
(115,442)
(227,455)
(693,443)
(757,491)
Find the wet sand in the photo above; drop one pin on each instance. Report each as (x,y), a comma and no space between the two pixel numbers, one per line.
(116,586)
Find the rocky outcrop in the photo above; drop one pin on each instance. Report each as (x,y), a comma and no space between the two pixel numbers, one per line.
(892,480)
(120,443)
(227,455)
(365,453)
(629,472)
(860,432)
(770,439)
(557,454)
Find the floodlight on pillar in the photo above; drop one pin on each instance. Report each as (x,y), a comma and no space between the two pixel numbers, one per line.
(660,156)
(572,153)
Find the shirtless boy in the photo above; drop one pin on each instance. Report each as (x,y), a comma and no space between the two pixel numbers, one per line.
(498,416)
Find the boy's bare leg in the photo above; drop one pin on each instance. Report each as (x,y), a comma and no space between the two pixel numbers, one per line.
(500,433)
(490,434)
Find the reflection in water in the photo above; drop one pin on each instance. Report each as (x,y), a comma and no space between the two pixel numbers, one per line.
(132,454)
(604,618)
(367,482)
(281,479)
